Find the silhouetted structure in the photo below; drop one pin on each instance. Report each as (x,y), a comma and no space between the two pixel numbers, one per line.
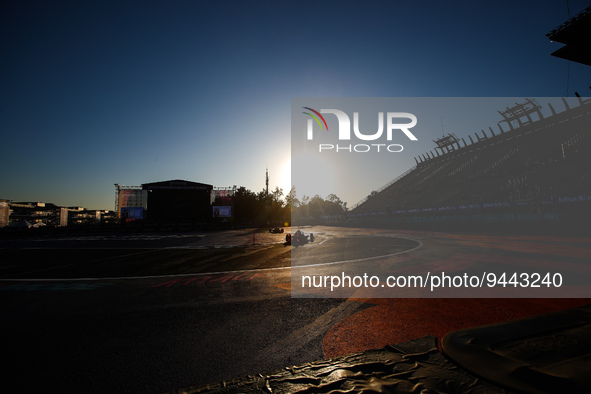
(178,201)
(513,116)
(576,35)
(447,143)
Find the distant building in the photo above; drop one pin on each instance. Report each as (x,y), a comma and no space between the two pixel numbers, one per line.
(80,216)
(41,214)
(35,214)
(4,212)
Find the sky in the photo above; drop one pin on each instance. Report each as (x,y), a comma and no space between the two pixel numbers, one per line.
(95,93)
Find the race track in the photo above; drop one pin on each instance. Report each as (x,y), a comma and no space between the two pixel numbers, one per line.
(155,312)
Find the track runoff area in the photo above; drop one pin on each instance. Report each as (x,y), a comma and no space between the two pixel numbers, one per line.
(173,310)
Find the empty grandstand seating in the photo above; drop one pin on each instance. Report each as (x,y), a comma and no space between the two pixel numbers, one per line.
(533,172)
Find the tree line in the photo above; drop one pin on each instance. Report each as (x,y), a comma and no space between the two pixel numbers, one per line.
(275,206)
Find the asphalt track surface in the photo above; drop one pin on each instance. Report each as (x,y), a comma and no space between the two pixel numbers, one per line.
(150,313)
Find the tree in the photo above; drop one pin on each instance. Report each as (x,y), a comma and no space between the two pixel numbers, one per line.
(317,207)
(277,196)
(291,200)
(246,205)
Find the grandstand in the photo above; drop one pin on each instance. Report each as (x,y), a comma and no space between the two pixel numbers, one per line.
(533,169)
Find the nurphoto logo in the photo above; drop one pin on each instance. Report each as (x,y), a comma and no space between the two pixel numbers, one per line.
(344,130)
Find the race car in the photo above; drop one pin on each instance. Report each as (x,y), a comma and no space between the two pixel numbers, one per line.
(299,238)
(276,230)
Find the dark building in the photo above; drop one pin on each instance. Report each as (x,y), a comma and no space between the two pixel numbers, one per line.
(178,201)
